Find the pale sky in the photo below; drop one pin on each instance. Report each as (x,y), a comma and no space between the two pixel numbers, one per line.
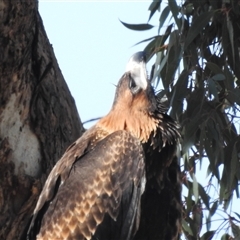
(92,46)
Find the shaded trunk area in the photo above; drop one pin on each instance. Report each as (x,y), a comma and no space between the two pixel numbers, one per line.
(38,116)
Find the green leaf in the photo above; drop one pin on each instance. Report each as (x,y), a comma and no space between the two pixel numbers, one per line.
(235,230)
(174,57)
(138,27)
(161,60)
(229,82)
(235,95)
(179,93)
(207,235)
(213,67)
(208,222)
(197,27)
(189,132)
(227,199)
(238,215)
(205,197)
(195,188)
(231,36)
(213,208)
(197,216)
(175,11)
(153,47)
(233,166)
(226,236)
(212,89)
(186,227)
(223,185)
(189,201)
(211,155)
(153,8)
(218,77)
(201,143)
(146,40)
(163,17)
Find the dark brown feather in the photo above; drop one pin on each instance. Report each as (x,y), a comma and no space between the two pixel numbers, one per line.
(95,192)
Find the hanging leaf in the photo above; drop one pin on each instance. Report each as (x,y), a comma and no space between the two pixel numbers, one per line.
(157,44)
(138,27)
(195,188)
(226,237)
(174,56)
(189,131)
(197,27)
(154,47)
(235,95)
(233,166)
(204,196)
(175,11)
(212,89)
(218,77)
(163,17)
(159,64)
(235,230)
(208,222)
(186,227)
(155,5)
(213,208)
(146,40)
(213,67)
(207,235)
(229,81)
(179,93)
(197,216)
(231,37)
(238,215)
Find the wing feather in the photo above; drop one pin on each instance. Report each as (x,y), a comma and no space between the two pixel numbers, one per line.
(103,189)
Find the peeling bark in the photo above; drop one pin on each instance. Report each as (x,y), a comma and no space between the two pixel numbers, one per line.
(38,116)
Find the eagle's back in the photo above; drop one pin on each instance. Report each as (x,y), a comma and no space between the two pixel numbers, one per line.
(101,196)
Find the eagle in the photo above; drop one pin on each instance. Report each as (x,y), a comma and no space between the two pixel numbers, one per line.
(121,179)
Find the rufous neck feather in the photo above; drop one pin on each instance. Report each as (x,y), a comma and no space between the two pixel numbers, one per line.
(140,124)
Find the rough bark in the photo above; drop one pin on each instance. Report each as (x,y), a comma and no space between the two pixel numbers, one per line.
(38,117)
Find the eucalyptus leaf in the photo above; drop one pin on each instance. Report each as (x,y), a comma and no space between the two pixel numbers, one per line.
(197,27)
(195,188)
(218,77)
(231,36)
(214,67)
(235,230)
(213,208)
(137,27)
(207,235)
(153,8)
(163,17)
(174,8)
(204,196)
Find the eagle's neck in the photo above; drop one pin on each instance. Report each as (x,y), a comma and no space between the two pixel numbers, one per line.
(157,129)
(139,123)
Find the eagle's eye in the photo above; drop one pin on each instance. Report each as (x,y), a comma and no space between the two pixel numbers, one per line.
(133,86)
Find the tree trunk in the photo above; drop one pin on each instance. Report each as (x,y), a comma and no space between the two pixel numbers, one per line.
(38,116)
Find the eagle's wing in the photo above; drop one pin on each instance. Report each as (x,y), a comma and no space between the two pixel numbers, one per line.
(100,197)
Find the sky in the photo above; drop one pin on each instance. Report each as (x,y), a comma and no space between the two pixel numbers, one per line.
(93,47)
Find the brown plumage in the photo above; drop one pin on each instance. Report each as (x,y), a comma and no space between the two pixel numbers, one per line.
(94,191)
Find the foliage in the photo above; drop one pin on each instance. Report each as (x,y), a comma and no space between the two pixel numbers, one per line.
(198,62)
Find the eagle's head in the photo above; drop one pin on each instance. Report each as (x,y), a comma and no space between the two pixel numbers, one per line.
(135,102)
(134,91)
